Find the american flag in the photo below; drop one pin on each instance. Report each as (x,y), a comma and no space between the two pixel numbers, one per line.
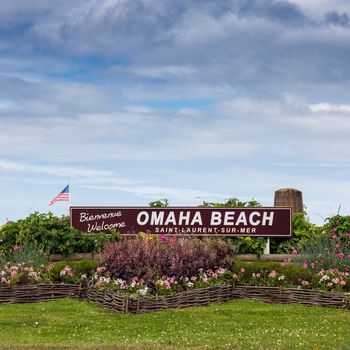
(63,196)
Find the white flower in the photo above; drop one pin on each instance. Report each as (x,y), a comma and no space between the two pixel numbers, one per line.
(281,278)
(143,291)
(190,284)
(324,278)
(118,281)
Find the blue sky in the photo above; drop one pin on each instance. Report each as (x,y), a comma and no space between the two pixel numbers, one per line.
(136,100)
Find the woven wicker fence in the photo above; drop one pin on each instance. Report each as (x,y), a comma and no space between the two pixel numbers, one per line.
(39,292)
(291,296)
(195,297)
(205,296)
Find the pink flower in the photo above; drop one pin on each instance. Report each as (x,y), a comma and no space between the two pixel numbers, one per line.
(334,236)
(312,265)
(162,237)
(193,278)
(349,256)
(167,285)
(17,247)
(258,275)
(101,269)
(294,252)
(273,274)
(134,280)
(341,255)
(242,270)
(342,283)
(334,229)
(67,271)
(305,283)
(329,284)
(305,265)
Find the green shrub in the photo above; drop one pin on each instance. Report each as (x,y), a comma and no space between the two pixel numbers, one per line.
(296,273)
(161,203)
(82,267)
(272,274)
(52,233)
(256,266)
(302,231)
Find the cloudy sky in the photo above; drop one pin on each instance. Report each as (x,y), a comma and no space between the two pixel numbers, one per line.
(136,100)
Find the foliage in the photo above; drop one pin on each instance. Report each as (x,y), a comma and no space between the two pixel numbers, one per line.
(85,268)
(161,203)
(326,252)
(51,233)
(303,230)
(338,225)
(290,275)
(252,245)
(30,255)
(150,258)
(232,202)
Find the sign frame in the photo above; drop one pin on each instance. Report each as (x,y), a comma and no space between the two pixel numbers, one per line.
(190,208)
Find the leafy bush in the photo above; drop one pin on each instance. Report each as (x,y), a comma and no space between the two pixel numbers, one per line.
(234,203)
(256,266)
(52,233)
(161,203)
(150,258)
(302,232)
(84,267)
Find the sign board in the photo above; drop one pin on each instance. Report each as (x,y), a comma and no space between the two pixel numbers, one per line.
(195,221)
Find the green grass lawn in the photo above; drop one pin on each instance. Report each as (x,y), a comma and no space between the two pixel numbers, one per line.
(72,324)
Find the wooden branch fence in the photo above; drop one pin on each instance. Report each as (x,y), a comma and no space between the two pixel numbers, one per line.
(196,297)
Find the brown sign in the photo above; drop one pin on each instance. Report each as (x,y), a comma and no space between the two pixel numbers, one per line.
(196,221)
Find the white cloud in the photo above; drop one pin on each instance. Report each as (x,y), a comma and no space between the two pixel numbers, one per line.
(66,172)
(329,107)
